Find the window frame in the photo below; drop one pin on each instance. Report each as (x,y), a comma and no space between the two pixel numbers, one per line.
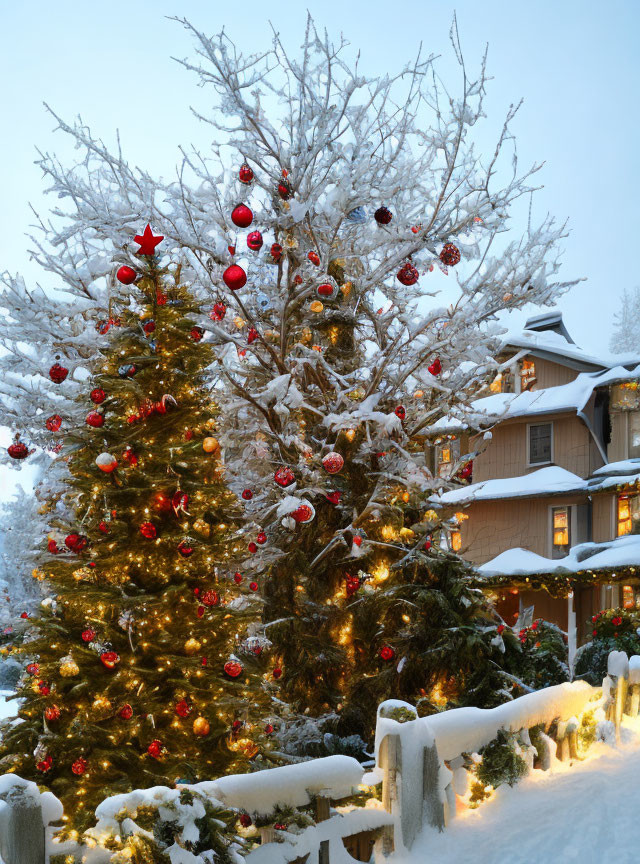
(531,464)
(570,517)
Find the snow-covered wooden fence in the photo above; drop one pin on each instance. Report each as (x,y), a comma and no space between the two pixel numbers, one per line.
(420,766)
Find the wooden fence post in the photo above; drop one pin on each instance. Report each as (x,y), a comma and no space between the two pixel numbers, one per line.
(323,812)
(433,806)
(390,762)
(22,839)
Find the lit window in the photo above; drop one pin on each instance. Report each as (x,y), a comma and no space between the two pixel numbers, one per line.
(527,374)
(628,600)
(540,443)
(628,514)
(634,435)
(447,453)
(625,396)
(456,541)
(561,532)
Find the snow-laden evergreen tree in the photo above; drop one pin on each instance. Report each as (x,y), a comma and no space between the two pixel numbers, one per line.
(625,337)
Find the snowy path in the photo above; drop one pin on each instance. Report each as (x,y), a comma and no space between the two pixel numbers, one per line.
(588,813)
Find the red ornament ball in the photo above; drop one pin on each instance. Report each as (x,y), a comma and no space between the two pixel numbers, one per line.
(400,412)
(126,712)
(109,659)
(52,546)
(97,396)
(255,241)
(253,586)
(245,820)
(75,542)
(18,450)
(233,668)
(333,463)
(183,709)
(45,764)
(314,258)
(185,548)
(58,373)
(237,578)
(450,255)
(383,215)
(234,277)
(304,513)
(261,538)
(218,312)
(149,327)
(252,335)
(435,368)
(79,766)
(252,547)
(44,688)
(387,652)
(94,419)
(148,530)
(242,216)
(284,190)
(333,497)
(210,598)
(325,290)
(245,173)
(53,423)
(284,477)
(155,748)
(126,275)
(196,333)
(33,669)
(52,713)
(88,635)
(277,673)
(247,494)
(106,462)
(407,274)
(276,252)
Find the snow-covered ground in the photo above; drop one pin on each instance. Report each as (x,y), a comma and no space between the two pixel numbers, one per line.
(586,813)
(8,708)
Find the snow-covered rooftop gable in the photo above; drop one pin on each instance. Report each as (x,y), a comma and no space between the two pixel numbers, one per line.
(549,341)
(619,553)
(550,400)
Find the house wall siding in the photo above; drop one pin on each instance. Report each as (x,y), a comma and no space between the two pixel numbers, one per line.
(550,374)
(604,527)
(617,449)
(506,453)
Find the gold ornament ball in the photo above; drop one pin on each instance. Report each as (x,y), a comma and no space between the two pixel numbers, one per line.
(201,726)
(69,668)
(211,423)
(202,528)
(316,306)
(210,445)
(192,646)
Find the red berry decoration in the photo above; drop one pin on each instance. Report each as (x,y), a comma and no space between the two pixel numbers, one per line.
(52,713)
(383,215)
(233,668)
(109,659)
(333,463)
(234,277)
(52,546)
(147,241)
(237,578)
(76,542)
(314,258)
(400,412)
(196,333)
(245,173)
(253,586)
(155,748)
(53,423)
(387,652)
(450,255)
(325,290)
(148,530)
(94,419)
(79,766)
(435,368)
(183,709)
(24,614)
(45,764)
(357,540)
(255,241)
(245,820)
(44,688)
(88,635)
(252,335)
(33,669)
(103,527)
(149,327)
(284,190)
(333,497)
(304,513)
(407,274)
(252,547)
(97,396)
(126,712)
(218,312)
(284,477)
(247,494)
(276,252)
(185,548)
(18,450)
(242,216)
(277,673)
(261,538)
(126,275)
(210,598)
(58,373)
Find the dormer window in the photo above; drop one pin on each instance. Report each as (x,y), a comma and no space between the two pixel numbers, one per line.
(447,454)
(527,375)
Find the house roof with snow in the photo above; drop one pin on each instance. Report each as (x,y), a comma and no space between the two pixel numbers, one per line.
(546,336)
(613,557)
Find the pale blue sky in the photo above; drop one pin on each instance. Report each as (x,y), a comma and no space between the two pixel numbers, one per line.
(575,63)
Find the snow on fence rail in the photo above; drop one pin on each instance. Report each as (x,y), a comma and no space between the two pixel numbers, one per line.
(420,763)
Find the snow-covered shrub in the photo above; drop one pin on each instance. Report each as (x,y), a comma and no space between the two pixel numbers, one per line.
(543,657)
(613,630)
(502,761)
